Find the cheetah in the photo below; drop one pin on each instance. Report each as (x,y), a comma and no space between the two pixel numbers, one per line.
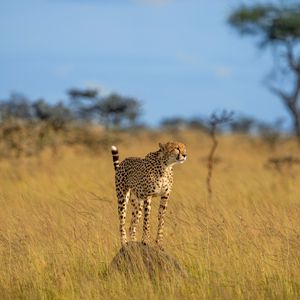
(139,179)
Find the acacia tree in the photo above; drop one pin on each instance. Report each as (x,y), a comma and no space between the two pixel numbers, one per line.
(82,102)
(117,111)
(277,27)
(114,110)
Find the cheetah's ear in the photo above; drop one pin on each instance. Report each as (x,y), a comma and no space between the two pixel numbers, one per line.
(161,146)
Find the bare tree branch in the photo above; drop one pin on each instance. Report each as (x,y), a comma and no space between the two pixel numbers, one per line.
(283,95)
(293,63)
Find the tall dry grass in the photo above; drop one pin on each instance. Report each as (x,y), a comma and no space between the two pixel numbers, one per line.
(59,226)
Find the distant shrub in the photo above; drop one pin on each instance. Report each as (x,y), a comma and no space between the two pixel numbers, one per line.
(16,106)
(58,115)
(179,123)
(244,125)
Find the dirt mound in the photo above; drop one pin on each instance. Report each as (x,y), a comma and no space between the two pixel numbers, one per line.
(137,258)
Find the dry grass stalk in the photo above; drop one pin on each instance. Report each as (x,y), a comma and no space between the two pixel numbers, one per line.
(215,121)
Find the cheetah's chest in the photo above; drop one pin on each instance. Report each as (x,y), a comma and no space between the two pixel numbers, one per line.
(163,186)
(159,185)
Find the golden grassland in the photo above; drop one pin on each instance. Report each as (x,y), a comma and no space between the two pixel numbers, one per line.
(59,225)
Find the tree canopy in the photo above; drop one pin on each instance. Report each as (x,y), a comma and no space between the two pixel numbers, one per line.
(273,23)
(279,27)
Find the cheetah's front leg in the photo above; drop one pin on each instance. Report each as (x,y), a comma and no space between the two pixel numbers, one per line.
(161,220)
(146,226)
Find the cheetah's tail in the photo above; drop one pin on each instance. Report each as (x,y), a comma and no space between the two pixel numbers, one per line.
(115,156)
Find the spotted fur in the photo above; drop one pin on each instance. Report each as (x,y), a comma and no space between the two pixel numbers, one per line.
(139,179)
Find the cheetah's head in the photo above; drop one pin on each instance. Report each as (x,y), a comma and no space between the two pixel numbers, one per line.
(173,152)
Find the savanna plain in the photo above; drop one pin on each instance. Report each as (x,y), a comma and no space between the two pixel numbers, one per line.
(59,224)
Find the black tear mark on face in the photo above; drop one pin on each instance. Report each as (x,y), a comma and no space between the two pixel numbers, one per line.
(178,156)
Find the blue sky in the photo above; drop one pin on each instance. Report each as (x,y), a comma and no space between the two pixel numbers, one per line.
(179,57)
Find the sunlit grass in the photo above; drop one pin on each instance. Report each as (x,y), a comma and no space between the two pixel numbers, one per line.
(59,225)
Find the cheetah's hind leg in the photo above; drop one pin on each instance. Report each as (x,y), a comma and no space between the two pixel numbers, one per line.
(137,206)
(122,206)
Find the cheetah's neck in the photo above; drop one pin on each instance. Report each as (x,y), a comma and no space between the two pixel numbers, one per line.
(157,158)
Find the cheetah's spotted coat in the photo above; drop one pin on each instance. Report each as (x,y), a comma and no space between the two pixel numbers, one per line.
(139,179)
